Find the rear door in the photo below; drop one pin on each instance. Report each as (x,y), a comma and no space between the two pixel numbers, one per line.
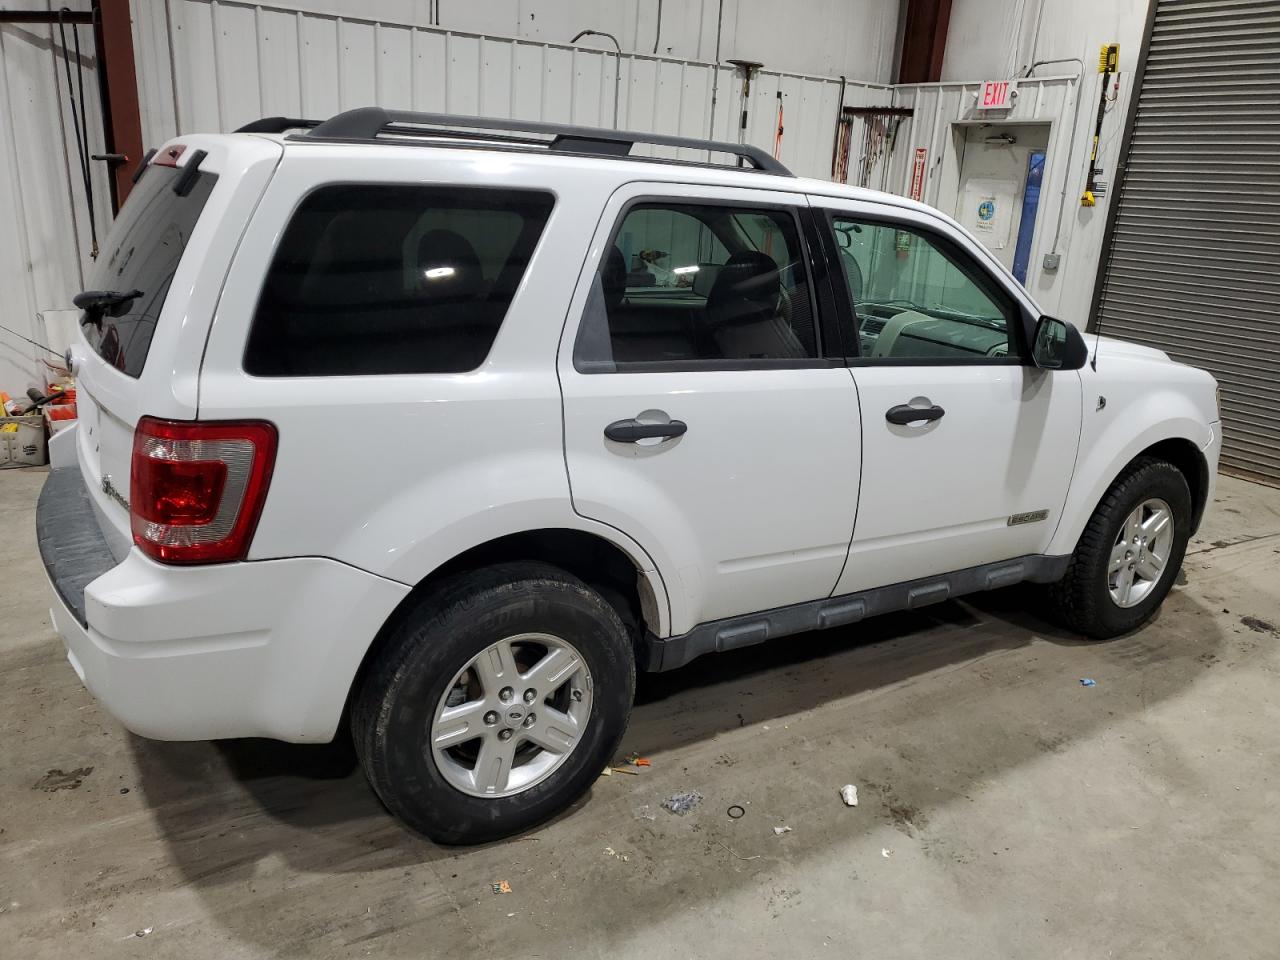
(170,245)
(708,413)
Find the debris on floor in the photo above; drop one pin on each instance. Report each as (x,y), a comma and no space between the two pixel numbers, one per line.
(682,803)
(1087,682)
(610,852)
(779,831)
(143,932)
(886,852)
(735,854)
(635,760)
(736,811)
(644,812)
(1258,626)
(502,886)
(849,794)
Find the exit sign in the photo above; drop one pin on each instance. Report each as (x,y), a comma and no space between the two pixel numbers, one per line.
(996,95)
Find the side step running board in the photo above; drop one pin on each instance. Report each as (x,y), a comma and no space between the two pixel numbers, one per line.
(734,632)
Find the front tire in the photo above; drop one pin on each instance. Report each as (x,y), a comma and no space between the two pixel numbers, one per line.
(496,703)
(1129,554)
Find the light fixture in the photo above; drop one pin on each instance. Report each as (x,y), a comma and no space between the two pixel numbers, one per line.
(684,270)
(439,273)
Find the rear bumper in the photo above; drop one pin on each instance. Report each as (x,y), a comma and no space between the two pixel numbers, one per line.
(262,649)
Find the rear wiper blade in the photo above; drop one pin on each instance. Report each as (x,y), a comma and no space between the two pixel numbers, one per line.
(112,302)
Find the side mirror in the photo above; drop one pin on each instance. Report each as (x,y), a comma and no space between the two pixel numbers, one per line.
(1058,346)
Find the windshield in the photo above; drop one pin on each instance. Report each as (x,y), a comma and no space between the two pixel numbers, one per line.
(142,254)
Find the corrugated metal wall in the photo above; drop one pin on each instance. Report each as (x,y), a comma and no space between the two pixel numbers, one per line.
(215,64)
(1076,232)
(1192,266)
(44,242)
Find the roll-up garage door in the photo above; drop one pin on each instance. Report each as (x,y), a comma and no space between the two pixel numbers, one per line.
(1193,266)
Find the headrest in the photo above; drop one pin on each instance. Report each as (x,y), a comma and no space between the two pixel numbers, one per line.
(749,277)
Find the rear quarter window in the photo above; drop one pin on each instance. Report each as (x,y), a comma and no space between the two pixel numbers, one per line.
(387,279)
(142,253)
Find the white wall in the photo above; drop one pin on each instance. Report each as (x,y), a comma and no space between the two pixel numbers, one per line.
(855,38)
(999,39)
(44,231)
(216,64)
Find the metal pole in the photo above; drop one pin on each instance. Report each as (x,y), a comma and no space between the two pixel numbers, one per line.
(617,74)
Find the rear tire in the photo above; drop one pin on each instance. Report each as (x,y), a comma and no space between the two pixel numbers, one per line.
(495,703)
(1113,584)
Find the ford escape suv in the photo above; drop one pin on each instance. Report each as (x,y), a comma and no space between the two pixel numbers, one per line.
(449,425)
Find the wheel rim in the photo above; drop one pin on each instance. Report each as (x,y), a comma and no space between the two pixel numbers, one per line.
(512,715)
(1140,553)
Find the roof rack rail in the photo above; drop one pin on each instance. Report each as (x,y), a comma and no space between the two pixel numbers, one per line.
(366,123)
(276,125)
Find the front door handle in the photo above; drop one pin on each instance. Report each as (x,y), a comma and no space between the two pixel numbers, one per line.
(903,414)
(629,431)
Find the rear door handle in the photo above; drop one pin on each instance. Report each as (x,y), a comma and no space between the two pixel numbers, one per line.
(629,431)
(903,414)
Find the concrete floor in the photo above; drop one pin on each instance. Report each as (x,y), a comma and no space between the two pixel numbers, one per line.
(1006,810)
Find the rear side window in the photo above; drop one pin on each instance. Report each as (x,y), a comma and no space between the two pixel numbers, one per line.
(703,285)
(142,254)
(381,279)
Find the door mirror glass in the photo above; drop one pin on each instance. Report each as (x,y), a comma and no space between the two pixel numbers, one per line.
(1058,345)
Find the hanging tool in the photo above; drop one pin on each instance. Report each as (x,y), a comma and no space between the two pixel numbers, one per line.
(777,137)
(1108,63)
(748,68)
(79,120)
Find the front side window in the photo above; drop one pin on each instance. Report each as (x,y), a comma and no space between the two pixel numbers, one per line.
(383,279)
(702,284)
(913,297)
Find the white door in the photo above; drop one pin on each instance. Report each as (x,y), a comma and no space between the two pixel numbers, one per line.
(993,183)
(701,417)
(967,447)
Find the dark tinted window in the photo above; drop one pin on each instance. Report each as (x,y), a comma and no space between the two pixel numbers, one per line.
(699,283)
(142,253)
(372,279)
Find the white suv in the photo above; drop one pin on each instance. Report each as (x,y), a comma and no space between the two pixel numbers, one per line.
(449,424)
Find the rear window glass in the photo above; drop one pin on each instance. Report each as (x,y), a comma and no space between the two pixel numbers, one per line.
(380,279)
(142,254)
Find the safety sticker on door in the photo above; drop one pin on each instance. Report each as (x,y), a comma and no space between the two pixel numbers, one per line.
(986,214)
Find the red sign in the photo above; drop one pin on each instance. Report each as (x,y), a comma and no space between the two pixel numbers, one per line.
(917,174)
(994,95)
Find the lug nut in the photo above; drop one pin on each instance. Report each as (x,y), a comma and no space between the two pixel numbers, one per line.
(576,696)
(504,734)
(505,694)
(530,695)
(530,720)
(491,718)
(1128,554)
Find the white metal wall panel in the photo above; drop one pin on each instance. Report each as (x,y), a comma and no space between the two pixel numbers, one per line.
(1191,267)
(44,243)
(1060,222)
(232,61)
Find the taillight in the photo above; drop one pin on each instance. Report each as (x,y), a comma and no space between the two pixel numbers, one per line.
(196,489)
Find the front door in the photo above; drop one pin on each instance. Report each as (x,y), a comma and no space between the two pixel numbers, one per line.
(968,448)
(707,412)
